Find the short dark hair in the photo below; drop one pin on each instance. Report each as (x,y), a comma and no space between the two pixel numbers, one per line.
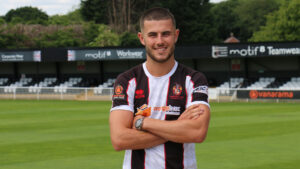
(156,13)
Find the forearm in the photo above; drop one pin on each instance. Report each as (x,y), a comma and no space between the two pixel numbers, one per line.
(187,129)
(182,131)
(123,136)
(134,139)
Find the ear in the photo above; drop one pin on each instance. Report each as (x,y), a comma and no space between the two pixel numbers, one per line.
(140,36)
(176,34)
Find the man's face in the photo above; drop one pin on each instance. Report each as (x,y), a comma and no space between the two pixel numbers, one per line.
(159,38)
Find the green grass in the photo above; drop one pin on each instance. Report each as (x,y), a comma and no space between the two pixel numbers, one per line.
(75,135)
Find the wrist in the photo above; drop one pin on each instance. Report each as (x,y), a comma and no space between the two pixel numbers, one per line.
(139,123)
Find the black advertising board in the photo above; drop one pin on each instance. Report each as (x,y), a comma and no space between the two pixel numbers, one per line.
(106,54)
(20,56)
(256,50)
(54,55)
(268,94)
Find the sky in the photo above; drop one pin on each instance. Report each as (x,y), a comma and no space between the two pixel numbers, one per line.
(51,7)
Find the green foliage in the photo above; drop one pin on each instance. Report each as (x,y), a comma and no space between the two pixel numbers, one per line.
(38,36)
(251,15)
(73,17)
(61,38)
(91,30)
(95,10)
(194,19)
(241,17)
(130,39)
(106,37)
(13,37)
(26,15)
(198,20)
(225,19)
(282,25)
(2,21)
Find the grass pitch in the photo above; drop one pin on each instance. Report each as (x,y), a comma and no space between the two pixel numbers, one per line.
(75,135)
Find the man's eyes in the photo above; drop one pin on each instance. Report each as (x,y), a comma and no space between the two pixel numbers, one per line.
(152,34)
(163,34)
(166,33)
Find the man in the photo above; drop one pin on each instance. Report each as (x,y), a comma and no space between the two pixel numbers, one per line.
(174,96)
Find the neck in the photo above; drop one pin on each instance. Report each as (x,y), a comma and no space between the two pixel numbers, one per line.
(159,69)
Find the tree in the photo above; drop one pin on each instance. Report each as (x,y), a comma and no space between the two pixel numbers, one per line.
(2,21)
(95,10)
(252,14)
(194,20)
(91,30)
(13,37)
(129,39)
(27,15)
(106,37)
(282,25)
(60,38)
(70,18)
(225,19)
(241,17)
(120,15)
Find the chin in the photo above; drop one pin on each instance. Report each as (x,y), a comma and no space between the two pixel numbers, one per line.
(160,58)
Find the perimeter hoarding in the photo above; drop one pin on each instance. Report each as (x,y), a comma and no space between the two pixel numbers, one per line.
(106,54)
(256,50)
(20,56)
(268,94)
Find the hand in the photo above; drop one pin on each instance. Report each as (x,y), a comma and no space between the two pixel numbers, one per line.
(135,119)
(192,112)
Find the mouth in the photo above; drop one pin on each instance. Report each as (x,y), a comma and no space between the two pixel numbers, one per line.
(161,49)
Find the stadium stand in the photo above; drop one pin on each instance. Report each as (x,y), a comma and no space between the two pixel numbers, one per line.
(47,82)
(22,82)
(71,82)
(234,83)
(263,82)
(294,83)
(109,83)
(3,81)
(277,83)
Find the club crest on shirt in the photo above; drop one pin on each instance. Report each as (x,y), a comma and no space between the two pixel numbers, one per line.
(176,92)
(119,92)
(201,89)
(177,89)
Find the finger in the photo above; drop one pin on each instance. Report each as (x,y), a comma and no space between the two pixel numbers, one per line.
(187,113)
(195,117)
(192,107)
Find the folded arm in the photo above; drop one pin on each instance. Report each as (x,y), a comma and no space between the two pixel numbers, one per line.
(123,136)
(183,130)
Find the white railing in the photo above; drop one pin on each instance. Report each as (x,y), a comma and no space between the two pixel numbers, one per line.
(55,93)
(100,93)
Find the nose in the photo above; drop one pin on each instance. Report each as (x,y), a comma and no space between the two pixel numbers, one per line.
(160,40)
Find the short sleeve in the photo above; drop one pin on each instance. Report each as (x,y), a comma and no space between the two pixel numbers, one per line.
(123,94)
(197,89)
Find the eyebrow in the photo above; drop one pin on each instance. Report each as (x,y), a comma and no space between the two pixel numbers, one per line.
(155,33)
(152,33)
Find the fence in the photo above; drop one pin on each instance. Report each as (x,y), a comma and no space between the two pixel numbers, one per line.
(55,93)
(97,93)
